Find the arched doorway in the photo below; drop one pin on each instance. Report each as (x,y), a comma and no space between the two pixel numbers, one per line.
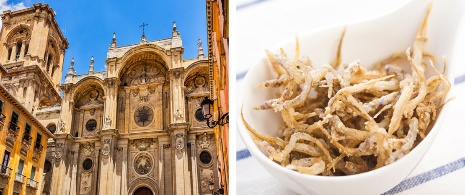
(143,191)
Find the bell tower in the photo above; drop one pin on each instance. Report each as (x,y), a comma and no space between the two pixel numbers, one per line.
(32,50)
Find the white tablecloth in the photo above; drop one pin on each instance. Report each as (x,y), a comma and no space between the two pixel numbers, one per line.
(262,23)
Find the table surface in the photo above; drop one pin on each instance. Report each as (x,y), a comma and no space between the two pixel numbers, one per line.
(260,23)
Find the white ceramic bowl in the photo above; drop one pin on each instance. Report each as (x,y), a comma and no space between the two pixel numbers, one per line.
(368,41)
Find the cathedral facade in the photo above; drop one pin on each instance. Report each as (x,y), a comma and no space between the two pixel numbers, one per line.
(135,128)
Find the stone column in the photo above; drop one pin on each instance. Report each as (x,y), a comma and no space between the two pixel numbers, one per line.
(23,47)
(178,105)
(74,165)
(123,178)
(61,170)
(66,114)
(109,118)
(181,172)
(5,54)
(13,52)
(194,174)
(106,173)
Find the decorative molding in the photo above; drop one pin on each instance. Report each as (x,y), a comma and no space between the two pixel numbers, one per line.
(88,149)
(204,141)
(177,74)
(106,148)
(107,122)
(58,151)
(180,142)
(142,144)
(166,146)
(143,163)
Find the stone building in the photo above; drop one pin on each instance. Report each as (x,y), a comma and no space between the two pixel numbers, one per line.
(135,128)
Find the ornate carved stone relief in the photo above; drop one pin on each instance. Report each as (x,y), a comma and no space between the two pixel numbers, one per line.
(108,121)
(86,183)
(106,148)
(88,149)
(180,142)
(178,116)
(143,163)
(142,74)
(197,83)
(142,144)
(203,141)
(58,151)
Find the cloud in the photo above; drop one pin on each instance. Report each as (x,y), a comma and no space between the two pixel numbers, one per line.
(4,5)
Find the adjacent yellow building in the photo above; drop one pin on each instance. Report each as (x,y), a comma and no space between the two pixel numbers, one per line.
(218,55)
(23,144)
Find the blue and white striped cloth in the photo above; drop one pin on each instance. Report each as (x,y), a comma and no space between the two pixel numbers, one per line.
(263,23)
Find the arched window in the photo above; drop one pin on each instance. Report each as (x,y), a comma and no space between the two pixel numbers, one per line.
(49,60)
(53,71)
(26,49)
(24,92)
(52,128)
(18,49)
(9,53)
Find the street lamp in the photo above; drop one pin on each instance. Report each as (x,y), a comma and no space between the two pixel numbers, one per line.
(207,112)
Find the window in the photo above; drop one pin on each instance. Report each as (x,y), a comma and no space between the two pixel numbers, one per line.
(14,122)
(24,92)
(18,50)
(87,164)
(205,157)
(52,128)
(19,173)
(91,125)
(199,115)
(27,133)
(33,173)
(26,49)
(49,60)
(6,160)
(9,54)
(38,141)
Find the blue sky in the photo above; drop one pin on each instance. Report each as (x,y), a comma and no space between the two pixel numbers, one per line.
(89,25)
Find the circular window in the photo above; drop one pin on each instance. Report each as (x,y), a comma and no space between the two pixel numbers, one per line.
(52,128)
(91,125)
(47,166)
(87,164)
(143,116)
(199,115)
(205,157)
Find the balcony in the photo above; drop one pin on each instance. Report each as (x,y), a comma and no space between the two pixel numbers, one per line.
(13,126)
(5,171)
(20,177)
(25,144)
(37,152)
(12,134)
(31,183)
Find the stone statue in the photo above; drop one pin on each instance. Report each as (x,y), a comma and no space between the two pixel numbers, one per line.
(61,128)
(108,121)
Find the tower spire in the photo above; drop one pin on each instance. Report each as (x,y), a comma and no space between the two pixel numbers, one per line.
(200,49)
(113,40)
(71,72)
(91,67)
